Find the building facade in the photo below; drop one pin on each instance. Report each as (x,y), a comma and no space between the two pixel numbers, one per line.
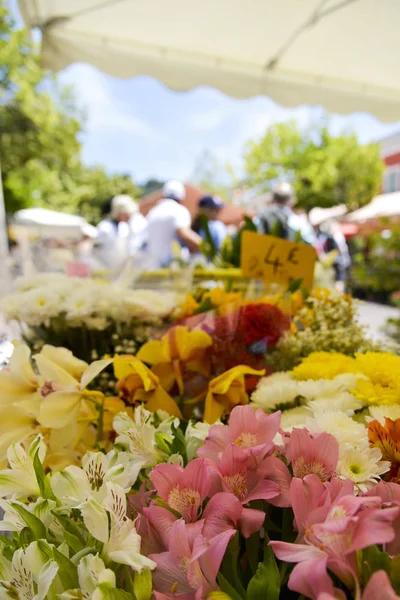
(390,153)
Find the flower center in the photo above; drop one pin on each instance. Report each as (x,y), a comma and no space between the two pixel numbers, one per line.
(355,469)
(301,468)
(246,440)
(237,484)
(186,502)
(48,388)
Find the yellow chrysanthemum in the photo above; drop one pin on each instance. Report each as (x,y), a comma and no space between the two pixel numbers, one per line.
(218,297)
(325,365)
(383,372)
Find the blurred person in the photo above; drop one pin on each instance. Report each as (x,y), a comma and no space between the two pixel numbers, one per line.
(169,221)
(210,207)
(123,233)
(278,218)
(332,239)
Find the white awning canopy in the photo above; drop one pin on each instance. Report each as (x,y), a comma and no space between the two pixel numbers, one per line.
(49,223)
(386,205)
(342,54)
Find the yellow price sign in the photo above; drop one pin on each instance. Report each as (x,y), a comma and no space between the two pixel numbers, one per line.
(275,260)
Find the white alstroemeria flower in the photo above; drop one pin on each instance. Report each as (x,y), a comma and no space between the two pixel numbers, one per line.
(195,435)
(74,485)
(20,479)
(94,580)
(27,577)
(61,392)
(12,521)
(110,525)
(138,437)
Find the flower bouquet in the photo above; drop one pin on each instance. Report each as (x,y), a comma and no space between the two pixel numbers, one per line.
(89,317)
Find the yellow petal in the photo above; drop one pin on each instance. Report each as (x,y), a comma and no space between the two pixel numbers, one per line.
(222,383)
(50,371)
(14,389)
(154,352)
(199,365)
(160,400)
(123,366)
(20,365)
(93,370)
(188,342)
(213,410)
(65,359)
(59,409)
(166,375)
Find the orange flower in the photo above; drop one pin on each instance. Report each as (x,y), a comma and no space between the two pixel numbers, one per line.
(386,438)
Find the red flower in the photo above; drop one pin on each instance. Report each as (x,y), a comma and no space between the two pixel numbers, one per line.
(263,322)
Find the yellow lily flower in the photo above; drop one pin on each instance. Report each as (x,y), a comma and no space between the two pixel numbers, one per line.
(188,307)
(178,350)
(138,384)
(18,381)
(227,391)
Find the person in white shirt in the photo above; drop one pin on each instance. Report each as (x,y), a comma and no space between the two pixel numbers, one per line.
(122,234)
(169,221)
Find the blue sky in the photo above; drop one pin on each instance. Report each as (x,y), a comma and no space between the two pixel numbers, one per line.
(141,127)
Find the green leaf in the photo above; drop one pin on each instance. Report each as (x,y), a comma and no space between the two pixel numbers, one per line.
(110,593)
(179,442)
(205,306)
(294,286)
(395,574)
(26,536)
(211,250)
(163,442)
(252,550)
(68,572)
(143,585)
(227,588)
(73,542)
(43,481)
(265,583)
(374,559)
(230,565)
(35,524)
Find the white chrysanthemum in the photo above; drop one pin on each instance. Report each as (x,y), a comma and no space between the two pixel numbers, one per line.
(343,401)
(320,388)
(295,417)
(341,426)
(275,391)
(379,413)
(348,381)
(78,306)
(361,464)
(39,305)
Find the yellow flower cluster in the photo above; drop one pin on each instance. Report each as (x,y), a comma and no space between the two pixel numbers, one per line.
(379,373)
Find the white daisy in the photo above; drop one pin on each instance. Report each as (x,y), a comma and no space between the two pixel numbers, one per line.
(379,413)
(361,464)
(275,391)
(343,401)
(341,426)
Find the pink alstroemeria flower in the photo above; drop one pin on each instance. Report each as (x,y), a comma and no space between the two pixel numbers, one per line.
(236,478)
(225,512)
(310,454)
(274,469)
(184,490)
(352,524)
(253,431)
(378,588)
(190,566)
(312,500)
(390,496)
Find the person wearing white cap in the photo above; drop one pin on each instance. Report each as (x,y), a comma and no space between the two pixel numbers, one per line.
(123,233)
(169,221)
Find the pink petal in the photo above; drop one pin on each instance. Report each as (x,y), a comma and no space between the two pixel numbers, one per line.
(160,596)
(251,521)
(222,512)
(338,488)
(164,478)
(374,526)
(310,578)
(196,477)
(274,469)
(379,586)
(296,552)
(219,437)
(161,521)
(183,536)
(388,492)
(263,490)
(243,420)
(308,496)
(209,554)
(169,575)
(322,449)
(233,460)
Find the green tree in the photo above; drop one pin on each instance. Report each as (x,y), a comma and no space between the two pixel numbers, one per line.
(325,170)
(39,136)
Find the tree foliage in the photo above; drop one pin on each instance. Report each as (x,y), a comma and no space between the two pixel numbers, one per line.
(326,170)
(40,127)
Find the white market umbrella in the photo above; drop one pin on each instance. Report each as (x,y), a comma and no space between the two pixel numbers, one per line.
(342,54)
(51,224)
(320,215)
(386,205)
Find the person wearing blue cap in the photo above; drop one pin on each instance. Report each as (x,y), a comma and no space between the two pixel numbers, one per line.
(210,207)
